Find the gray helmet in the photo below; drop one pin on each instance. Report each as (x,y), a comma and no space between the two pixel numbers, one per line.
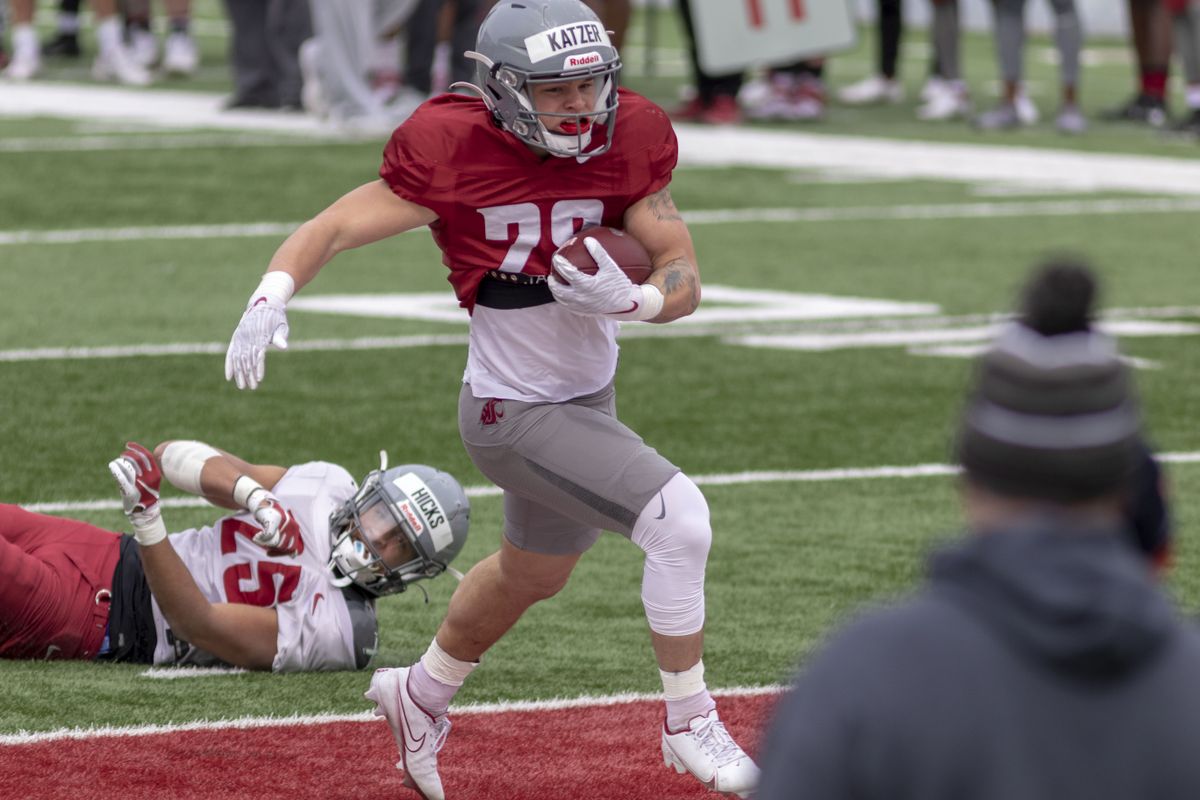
(523,42)
(404,525)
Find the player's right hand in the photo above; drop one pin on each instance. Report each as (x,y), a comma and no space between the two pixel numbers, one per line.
(280,534)
(263,325)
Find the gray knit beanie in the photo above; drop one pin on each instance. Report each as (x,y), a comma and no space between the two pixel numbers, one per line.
(1052,414)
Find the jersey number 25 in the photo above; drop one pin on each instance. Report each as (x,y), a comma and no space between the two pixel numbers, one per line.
(268,592)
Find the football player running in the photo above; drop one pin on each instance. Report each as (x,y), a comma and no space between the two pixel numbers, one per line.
(549,147)
(287,583)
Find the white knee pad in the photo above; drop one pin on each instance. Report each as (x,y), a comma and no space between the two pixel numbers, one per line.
(675,532)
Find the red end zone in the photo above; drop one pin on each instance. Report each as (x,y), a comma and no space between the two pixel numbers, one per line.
(595,752)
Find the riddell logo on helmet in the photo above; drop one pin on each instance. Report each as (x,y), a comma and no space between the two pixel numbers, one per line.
(414,520)
(585,60)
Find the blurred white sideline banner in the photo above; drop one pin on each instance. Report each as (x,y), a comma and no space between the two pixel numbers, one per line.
(732,35)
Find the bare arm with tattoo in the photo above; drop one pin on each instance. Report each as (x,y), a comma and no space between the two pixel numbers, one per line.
(656,223)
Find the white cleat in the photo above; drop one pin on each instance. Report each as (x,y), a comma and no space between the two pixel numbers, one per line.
(143,47)
(27,55)
(312,93)
(180,56)
(1027,110)
(418,735)
(115,63)
(946,102)
(709,753)
(872,90)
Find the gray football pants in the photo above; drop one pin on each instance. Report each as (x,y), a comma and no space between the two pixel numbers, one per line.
(265,40)
(348,31)
(1010,39)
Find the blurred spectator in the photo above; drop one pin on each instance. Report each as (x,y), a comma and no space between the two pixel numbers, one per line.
(1041,659)
(114,62)
(945,94)
(180,56)
(337,64)
(1151,39)
(264,47)
(422,42)
(794,92)
(715,102)
(1185,20)
(65,42)
(3,32)
(1010,53)
(881,87)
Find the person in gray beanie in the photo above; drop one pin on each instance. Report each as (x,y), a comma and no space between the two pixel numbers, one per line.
(1041,659)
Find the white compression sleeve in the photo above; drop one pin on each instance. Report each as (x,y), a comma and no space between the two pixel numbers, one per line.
(182,463)
(674,531)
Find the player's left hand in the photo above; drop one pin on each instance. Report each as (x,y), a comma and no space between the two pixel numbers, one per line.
(263,326)
(607,293)
(280,534)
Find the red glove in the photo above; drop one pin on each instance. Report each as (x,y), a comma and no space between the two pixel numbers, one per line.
(138,477)
(280,533)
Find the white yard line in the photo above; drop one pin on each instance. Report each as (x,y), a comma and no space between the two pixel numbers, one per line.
(244,723)
(96,143)
(818,334)
(719,479)
(910,212)
(214,348)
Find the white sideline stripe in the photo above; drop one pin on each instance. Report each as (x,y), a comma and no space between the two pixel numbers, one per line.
(937,211)
(943,161)
(989,210)
(245,723)
(727,479)
(699,145)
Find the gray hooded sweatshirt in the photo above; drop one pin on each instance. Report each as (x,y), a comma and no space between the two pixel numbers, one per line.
(1037,663)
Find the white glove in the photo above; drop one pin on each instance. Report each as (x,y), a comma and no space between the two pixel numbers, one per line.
(608,293)
(263,325)
(280,534)
(138,479)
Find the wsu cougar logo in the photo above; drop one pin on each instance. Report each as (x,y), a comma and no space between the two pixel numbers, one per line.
(493,412)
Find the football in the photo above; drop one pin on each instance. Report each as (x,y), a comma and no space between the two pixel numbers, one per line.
(627,251)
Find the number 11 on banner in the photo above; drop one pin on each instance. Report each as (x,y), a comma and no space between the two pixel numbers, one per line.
(755,11)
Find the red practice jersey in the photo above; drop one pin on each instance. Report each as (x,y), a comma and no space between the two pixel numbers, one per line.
(502,206)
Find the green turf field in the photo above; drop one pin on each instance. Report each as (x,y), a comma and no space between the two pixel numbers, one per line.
(790,558)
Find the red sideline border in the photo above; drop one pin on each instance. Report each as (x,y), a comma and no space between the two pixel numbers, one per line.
(600,749)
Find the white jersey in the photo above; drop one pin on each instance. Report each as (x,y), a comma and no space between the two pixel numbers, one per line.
(540,354)
(315,629)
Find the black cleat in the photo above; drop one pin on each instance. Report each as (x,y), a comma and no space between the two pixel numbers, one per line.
(63,45)
(1141,108)
(1189,125)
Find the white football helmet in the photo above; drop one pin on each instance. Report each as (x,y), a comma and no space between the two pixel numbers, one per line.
(404,525)
(525,42)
